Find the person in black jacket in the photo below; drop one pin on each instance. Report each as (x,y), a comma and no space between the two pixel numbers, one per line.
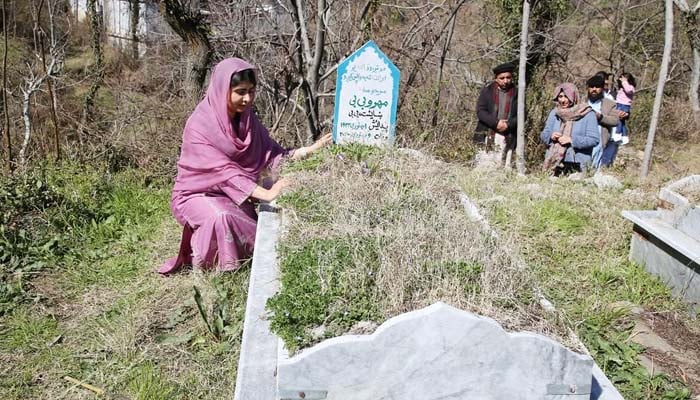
(496,110)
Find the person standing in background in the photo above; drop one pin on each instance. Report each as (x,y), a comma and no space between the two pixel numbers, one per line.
(496,110)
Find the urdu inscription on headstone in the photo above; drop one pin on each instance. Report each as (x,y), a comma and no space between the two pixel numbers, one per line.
(367,90)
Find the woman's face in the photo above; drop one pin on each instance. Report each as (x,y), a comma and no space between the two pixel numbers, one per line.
(240,97)
(563,100)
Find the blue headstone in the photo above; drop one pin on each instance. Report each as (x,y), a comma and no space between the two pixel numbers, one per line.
(367,91)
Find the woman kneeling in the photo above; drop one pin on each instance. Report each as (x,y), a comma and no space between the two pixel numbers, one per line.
(225,152)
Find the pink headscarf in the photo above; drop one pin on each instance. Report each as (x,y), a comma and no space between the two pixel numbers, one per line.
(570,91)
(215,151)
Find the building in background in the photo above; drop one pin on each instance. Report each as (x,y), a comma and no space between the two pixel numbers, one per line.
(116,15)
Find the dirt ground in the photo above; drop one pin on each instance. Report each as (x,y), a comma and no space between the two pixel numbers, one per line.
(671,346)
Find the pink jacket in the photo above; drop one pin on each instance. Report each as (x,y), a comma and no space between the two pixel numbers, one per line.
(625,94)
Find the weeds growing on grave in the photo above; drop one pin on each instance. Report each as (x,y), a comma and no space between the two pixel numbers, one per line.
(576,243)
(372,233)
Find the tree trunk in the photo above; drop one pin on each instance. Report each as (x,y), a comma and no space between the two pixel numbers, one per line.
(520,150)
(663,73)
(134,11)
(695,85)
(693,30)
(309,63)
(367,17)
(691,19)
(26,117)
(443,55)
(7,138)
(193,30)
(52,95)
(99,70)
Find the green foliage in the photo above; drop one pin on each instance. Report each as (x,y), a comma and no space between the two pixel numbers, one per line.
(558,216)
(307,204)
(618,358)
(66,214)
(580,255)
(467,274)
(25,331)
(315,288)
(32,229)
(147,382)
(220,322)
(355,151)
(631,282)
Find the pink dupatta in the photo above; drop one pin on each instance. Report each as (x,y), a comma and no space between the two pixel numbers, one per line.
(213,149)
(217,150)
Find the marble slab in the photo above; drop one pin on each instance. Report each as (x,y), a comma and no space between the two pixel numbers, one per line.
(670,195)
(257,364)
(438,352)
(668,252)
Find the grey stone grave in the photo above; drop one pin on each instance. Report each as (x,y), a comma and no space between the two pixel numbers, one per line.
(666,241)
(438,352)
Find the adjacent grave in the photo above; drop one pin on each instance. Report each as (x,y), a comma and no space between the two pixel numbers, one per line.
(367,90)
(666,241)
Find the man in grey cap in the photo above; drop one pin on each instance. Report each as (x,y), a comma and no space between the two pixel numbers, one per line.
(496,110)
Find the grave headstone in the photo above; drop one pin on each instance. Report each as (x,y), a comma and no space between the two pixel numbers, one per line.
(367,90)
(438,352)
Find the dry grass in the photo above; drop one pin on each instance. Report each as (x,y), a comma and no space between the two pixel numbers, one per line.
(427,249)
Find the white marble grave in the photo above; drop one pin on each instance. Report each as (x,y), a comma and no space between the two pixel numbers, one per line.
(438,352)
(435,353)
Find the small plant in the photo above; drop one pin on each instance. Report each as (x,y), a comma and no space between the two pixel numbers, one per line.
(618,358)
(218,322)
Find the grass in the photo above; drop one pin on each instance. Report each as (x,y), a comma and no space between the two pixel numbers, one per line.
(99,312)
(369,234)
(575,241)
(373,233)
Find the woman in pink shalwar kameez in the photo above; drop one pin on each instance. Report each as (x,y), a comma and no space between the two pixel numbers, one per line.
(225,150)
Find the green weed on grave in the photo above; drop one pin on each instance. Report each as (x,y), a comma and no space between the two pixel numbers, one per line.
(317,291)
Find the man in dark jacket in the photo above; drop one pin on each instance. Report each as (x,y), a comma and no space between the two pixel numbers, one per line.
(496,110)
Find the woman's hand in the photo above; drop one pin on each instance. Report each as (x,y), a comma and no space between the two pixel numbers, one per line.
(322,142)
(319,144)
(272,193)
(564,140)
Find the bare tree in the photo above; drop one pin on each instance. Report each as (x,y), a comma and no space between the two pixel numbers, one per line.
(134,17)
(192,27)
(57,54)
(99,68)
(520,150)
(309,61)
(7,138)
(33,82)
(691,18)
(443,56)
(663,73)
